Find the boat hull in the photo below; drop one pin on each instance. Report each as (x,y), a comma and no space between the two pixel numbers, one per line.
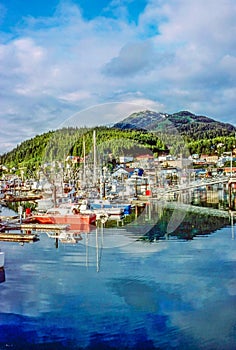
(74,220)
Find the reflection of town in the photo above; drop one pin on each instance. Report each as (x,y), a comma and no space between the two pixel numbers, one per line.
(199,212)
(193,223)
(181,215)
(195,212)
(197,206)
(208,196)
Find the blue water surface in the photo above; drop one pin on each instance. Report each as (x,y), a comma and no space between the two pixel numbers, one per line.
(112,291)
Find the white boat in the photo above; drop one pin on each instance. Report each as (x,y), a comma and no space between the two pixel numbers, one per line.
(101,214)
(2,259)
(102,208)
(44,204)
(69,237)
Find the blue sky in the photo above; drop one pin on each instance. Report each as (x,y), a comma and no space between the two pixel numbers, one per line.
(94,62)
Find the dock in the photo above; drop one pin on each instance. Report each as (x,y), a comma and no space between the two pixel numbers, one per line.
(44,227)
(27,236)
(18,237)
(17,198)
(9,217)
(35,227)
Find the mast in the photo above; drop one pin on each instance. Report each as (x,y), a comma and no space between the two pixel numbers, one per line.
(231,165)
(84,155)
(94,158)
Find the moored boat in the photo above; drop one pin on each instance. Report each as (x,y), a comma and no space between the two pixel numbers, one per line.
(101,208)
(66,215)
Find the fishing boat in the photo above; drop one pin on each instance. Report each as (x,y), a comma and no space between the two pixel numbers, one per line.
(101,208)
(67,214)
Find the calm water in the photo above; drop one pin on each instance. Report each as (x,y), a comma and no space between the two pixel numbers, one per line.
(126,288)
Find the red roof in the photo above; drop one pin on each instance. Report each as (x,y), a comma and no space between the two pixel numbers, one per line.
(228,169)
(145,156)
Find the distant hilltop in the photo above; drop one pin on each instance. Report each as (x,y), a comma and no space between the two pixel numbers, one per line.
(186,123)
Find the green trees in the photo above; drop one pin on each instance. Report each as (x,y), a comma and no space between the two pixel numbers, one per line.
(216,145)
(111,143)
(57,145)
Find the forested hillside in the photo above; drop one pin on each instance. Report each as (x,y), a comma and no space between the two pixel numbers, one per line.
(140,133)
(59,144)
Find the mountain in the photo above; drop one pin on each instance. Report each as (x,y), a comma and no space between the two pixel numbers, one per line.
(140,132)
(191,126)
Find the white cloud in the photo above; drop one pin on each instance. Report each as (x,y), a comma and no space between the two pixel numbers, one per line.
(179,55)
(76,96)
(133,58)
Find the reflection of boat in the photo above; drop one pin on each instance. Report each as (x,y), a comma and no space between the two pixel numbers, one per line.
(2,275)
(2,259)
(66,214)
(18,237)
(69,237)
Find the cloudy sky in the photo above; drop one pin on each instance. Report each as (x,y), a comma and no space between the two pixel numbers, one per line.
(97,61)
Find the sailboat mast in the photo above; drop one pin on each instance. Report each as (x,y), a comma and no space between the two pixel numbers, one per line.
(84,154)
(94,158)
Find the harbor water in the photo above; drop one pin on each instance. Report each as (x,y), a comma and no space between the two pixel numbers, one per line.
(140,286)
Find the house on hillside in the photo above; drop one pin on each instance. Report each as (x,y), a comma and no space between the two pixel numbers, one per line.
(212,159)
(228,170)
(126,173)
(203,157)
(125,159)
(165,158)
(194,156)
(145,161)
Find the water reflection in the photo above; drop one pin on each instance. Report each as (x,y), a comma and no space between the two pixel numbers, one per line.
(130,287)
(137,294)
(194,224)
(2,275)
(166,221)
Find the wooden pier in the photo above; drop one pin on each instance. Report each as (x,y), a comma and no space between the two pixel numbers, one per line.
(35,227)
(9,218)
(16,198)
(44,227)
(27,235)
(18,237)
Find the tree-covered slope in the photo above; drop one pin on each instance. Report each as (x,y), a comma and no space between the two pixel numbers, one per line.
(143,132)
(57,145)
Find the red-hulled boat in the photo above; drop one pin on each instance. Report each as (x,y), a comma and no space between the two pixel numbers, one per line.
(66,215)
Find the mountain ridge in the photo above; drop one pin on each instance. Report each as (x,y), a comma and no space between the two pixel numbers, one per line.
(185,122)
(154,131)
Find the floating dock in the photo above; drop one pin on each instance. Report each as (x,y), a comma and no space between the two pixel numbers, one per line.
(18,237)
(12,198)
(9,218)
(35,226)
(44,227)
